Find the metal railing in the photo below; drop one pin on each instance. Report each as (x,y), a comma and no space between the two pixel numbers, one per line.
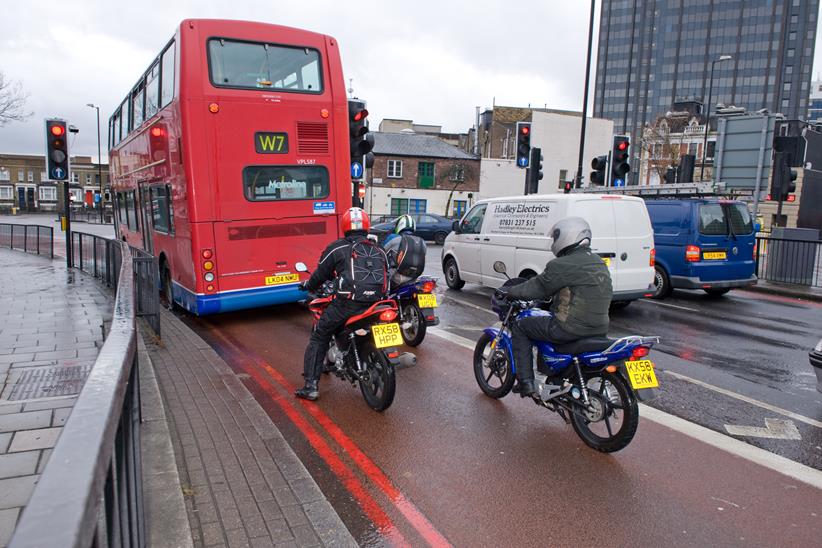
(789,261)
(90,493)
(33,239)
(101,258)
(92,216)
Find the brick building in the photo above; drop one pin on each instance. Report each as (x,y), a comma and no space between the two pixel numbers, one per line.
(25,185)
(416,173)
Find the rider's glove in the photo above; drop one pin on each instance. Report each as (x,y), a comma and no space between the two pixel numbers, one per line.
(302,287)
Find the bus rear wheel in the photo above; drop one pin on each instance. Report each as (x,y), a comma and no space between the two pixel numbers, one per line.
(166,293)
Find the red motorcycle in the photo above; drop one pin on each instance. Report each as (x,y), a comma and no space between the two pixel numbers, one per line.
(364,350)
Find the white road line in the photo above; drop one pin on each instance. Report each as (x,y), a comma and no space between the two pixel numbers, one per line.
(775,462)
(669,305)
(793,469)
(472,305)
(746,399)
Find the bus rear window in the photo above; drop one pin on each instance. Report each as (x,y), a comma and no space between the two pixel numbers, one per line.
(276,183)
(252,65)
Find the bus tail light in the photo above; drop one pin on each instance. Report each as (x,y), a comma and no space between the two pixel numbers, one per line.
(208,276)
(210,287)
(652,260)
(214,108)
(207,254)
(692,253)
(208,265)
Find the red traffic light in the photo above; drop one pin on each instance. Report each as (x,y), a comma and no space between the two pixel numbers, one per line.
(157,131)
(525,130)
(622,145)
(360,115)
(57,131)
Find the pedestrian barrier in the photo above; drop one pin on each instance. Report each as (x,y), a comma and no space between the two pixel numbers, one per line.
(90,493)
(789,261)
(33,239)
(101,258)
(91,217)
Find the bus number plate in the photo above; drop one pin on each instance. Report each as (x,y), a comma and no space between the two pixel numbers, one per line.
(282,279)
(271,143)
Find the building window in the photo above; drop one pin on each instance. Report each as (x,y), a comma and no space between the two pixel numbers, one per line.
(399,206)
(417,206)
(460,206)
(425,175)
(31,177)
(5,193)
(88,178)
(5,174)
(48,194)
(43,176)
(791,52)
(395,169)
(563,174)
(21,176)
(75,178)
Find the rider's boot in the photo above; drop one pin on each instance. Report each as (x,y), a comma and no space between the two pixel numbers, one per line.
(525,388)
(308,392)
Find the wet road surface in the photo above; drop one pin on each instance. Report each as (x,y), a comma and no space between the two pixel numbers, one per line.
(447,464)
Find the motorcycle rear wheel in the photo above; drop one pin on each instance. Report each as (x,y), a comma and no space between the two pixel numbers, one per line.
(378,390)
(492,364)
(614,401)
(414,334)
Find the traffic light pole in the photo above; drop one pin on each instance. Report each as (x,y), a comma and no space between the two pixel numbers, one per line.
(67,217)
(578,181)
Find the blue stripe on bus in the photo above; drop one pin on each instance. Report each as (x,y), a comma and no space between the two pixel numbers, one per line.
(203,305)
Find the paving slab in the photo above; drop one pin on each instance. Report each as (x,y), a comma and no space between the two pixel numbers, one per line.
(242,482)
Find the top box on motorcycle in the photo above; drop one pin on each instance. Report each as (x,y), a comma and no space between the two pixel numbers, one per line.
(409,251)
(516,231)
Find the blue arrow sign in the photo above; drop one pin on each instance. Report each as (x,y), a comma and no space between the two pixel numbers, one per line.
(523,161)
(58,173)
(356,170)
(619,182)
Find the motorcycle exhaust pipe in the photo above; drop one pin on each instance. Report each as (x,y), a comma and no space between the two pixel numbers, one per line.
(406,359)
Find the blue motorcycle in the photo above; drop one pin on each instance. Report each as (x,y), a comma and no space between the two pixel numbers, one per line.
(592,383)
(416,302)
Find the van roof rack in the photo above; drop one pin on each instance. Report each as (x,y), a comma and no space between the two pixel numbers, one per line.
(676,190)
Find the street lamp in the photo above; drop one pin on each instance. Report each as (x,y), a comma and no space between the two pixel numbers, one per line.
(99,164)
(708,115)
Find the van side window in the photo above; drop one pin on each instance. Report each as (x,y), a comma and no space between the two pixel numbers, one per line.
(472,223)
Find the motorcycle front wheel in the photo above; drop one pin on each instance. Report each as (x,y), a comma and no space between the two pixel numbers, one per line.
(413,318)
(380,382)
(610,422)
(492,368)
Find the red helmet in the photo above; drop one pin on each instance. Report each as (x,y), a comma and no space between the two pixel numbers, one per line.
(354,219)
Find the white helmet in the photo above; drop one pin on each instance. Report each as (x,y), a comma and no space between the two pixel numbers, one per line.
(404,223)
(568,233)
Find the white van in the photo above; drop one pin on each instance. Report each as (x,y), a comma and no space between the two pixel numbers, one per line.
(516,230)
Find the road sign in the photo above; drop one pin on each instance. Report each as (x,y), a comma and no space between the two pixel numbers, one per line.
(58,173)
(356,170)
(619,182)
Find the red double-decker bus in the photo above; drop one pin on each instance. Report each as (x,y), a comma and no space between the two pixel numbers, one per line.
(230,161)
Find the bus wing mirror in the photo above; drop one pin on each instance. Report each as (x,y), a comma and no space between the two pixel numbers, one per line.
(301,267)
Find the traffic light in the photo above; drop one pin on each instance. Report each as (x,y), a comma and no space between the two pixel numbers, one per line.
(620,154)
(599,164)
(523,143)
(361,140)
(535,171)
(568,185)
(783,179)
(57,156)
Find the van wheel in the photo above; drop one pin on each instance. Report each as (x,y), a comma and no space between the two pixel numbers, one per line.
(662,284)
(452,274)
(716,292)
(618,305)
(527,274)
(439,238)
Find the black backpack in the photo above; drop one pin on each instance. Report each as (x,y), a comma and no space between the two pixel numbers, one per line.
(366,277)
(411,256)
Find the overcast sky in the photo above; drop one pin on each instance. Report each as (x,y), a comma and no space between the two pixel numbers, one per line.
(430,61)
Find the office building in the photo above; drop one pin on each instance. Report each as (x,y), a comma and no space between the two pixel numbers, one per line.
(654,53)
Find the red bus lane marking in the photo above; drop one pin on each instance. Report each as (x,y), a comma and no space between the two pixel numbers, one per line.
(411,513)
(354,486)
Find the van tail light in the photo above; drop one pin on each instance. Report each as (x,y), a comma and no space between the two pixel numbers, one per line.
(652,260)
(692,253)
(388,316)
(639,352)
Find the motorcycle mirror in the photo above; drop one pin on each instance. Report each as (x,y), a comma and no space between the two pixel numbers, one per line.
(301,267)
(499,267)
